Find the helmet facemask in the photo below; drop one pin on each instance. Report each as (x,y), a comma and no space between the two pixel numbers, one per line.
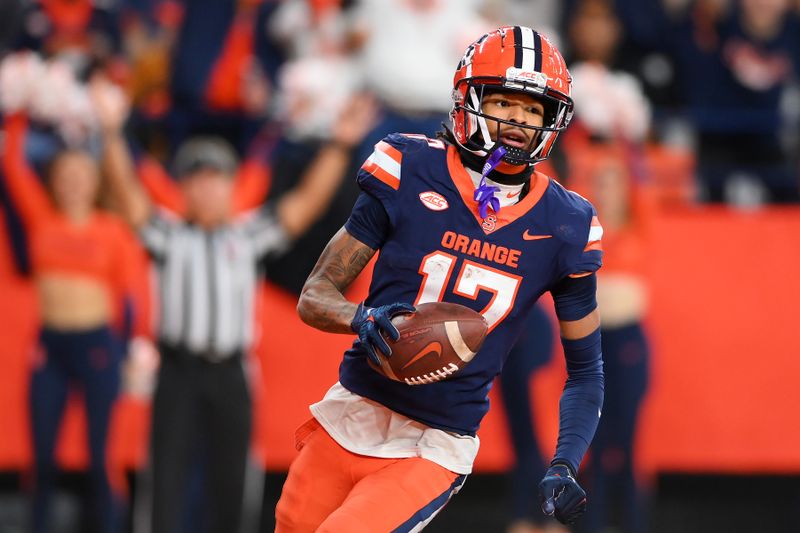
(468,106)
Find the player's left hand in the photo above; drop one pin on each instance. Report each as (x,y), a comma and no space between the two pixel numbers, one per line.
(370,322)
(561,495)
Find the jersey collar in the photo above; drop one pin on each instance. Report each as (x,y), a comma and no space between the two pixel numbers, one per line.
(508,214)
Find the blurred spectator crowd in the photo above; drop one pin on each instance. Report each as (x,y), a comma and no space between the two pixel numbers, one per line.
(686,101)
(706,88)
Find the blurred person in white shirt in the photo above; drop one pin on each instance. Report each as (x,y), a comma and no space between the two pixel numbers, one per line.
(423,37)
(426,37)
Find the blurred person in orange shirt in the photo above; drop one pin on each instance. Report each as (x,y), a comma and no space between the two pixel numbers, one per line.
(81,265)
(605,158)
(622,298)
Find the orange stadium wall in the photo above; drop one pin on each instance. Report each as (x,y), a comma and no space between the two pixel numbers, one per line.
(726,359)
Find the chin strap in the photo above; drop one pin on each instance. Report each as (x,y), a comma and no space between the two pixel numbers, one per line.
(484,194)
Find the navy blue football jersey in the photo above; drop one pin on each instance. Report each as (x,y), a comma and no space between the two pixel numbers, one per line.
(440,249)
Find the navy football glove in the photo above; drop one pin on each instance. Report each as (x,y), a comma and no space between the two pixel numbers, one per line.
(370,322)
(561,495)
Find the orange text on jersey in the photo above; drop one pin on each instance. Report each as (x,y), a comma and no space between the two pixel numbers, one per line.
(480,249)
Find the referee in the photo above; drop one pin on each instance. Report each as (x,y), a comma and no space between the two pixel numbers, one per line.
(207,264)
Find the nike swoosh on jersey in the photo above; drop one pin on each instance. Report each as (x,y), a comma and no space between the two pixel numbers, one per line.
(512,194)
(528,237)
(434,347)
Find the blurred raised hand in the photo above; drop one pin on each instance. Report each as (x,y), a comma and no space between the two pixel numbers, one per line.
(111,105)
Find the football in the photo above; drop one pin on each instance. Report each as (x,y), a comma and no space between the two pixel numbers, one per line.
(435,342)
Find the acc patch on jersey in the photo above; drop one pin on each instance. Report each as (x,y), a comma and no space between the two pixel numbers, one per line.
(433,201)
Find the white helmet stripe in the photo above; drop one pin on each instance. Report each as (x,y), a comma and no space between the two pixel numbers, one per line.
(528,54)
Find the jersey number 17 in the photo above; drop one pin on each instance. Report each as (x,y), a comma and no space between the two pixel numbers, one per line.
(437,268)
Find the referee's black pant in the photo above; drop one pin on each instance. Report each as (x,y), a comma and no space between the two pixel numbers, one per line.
(199,405)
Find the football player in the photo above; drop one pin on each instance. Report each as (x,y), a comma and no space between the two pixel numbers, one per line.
(466,219)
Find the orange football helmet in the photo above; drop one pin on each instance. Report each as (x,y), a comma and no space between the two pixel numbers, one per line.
(517,59)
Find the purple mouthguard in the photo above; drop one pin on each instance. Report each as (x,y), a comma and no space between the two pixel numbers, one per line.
(484,194)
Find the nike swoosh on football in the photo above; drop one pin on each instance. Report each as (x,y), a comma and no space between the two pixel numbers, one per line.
(528,237)
(434,346)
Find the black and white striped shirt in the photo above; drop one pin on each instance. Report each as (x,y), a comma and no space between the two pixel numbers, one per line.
(208,279)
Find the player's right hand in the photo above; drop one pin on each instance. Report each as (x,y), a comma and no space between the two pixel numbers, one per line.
(369,322)
(561,495)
